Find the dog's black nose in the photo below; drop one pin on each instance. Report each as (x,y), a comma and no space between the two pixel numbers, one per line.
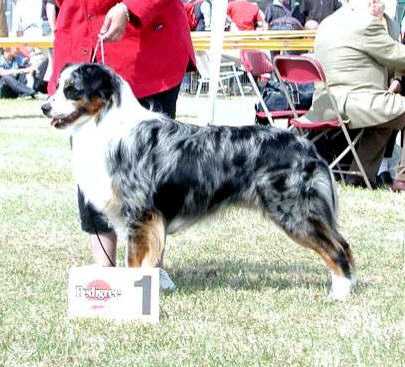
(46,108)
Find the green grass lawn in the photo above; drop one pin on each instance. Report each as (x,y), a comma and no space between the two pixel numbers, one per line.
(246,295)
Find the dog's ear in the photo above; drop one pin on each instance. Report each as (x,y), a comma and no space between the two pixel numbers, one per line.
(99,81)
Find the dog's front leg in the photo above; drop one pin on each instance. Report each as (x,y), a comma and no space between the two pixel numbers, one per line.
(146,246)
(146,241)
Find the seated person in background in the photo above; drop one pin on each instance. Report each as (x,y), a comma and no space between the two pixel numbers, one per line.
(280,15)
(357,52)
(245,16)
(204,14)
(318,10)
(39,60)
(198,14)
(13,70)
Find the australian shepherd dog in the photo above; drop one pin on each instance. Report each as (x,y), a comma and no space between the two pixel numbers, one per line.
(150,175)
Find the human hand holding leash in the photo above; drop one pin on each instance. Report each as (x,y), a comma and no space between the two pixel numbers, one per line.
(115,22)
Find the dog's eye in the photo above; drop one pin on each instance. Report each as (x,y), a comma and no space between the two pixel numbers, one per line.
(72,93)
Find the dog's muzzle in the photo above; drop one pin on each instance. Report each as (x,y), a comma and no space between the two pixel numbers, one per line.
(60,122)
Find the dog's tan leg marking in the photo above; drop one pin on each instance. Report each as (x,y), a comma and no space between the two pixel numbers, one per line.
(146,245)
(327,254)
(337,255)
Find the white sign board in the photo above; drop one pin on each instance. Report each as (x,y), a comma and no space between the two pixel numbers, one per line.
(114,293)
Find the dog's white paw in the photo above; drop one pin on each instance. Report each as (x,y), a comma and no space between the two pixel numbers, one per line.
(341,288)
(165,281)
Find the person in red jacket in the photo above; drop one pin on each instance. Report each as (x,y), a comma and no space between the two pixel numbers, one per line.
(152,52)
(245,15)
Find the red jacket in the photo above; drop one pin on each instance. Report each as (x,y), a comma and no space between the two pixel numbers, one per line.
(244,14)
(152,56)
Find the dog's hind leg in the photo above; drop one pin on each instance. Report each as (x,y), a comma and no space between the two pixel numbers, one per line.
(312,228)
(334,250)
(303,203)
(146,244)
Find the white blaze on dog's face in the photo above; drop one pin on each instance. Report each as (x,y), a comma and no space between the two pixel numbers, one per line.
(84,91)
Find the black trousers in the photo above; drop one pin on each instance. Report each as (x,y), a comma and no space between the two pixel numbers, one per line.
(91,220)
(14,86)
(164,102)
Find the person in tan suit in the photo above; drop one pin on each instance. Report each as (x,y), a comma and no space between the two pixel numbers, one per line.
(3,21)
(357,54)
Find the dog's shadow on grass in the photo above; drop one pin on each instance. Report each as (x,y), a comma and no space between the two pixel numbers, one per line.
(248,275)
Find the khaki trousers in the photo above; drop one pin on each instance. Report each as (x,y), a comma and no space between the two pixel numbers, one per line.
(372,147)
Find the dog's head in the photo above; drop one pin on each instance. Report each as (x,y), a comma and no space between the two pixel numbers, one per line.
(84,91)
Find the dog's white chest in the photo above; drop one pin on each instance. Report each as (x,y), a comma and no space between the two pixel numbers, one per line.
(89,167)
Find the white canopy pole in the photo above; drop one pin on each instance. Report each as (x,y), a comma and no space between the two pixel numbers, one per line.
(218,18)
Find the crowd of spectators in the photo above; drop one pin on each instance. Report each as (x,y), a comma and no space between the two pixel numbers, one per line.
(245,15)
(24,71)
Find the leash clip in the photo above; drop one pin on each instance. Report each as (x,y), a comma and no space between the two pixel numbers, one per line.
(99,44)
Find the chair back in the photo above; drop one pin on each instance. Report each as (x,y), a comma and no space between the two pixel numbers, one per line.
(256,62)
(303,69)
(299,69)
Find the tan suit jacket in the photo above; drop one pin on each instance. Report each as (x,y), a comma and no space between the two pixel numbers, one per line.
(3,22)
(357,53)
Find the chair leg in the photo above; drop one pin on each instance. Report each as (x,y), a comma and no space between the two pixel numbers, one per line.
(345,151)
(261,100)
(355,155)
(200,82)
(340,172)
(238,81)
(222,86)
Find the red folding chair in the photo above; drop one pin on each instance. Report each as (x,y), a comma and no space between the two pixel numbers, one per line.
(302,69)
(258,65)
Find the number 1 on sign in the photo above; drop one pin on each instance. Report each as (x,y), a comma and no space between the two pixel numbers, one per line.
(145,283)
